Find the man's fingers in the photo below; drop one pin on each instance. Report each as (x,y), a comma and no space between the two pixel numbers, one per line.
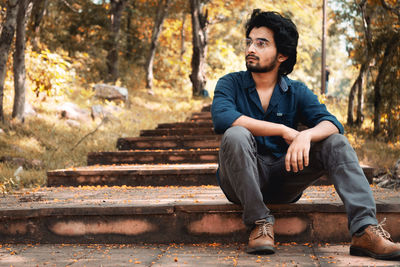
(293,161)
(287,162)
(306,158)
(297,157)
(300,160)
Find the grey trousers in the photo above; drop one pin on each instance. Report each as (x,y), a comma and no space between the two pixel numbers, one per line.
(253,180)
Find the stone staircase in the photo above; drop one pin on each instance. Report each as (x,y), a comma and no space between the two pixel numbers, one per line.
(161,188)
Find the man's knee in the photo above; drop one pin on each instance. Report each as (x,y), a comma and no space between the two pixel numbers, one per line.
(336,141)
(339,149)
(237,135)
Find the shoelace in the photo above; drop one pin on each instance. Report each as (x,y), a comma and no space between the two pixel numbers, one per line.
(378,229)
(264,229)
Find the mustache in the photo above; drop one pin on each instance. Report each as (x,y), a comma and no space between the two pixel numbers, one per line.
(252,56)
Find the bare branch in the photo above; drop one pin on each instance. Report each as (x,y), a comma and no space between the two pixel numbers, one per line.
(92,132)
(366,25)
(70,6)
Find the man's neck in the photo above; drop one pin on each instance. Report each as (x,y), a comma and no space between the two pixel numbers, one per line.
(266,80)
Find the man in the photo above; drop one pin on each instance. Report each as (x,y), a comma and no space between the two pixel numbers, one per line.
(264,159)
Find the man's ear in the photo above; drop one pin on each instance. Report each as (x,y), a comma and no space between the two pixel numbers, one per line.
(282,58)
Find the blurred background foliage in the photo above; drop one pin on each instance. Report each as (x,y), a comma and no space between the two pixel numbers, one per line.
(81,29)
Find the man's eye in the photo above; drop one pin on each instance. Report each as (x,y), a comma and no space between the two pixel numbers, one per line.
(260,43)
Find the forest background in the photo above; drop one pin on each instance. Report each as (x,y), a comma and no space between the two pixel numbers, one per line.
(169,54)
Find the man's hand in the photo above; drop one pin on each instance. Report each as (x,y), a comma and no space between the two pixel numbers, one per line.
(297,155)
(289,134)
(298,152)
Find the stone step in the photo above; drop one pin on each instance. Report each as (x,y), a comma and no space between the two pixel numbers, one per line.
(171,156)
(206,108)
(141,175)
(169,142)
(200,120)
(135,175)
(202,114)
(172,215)
(153,157)
(178,125)
(178,131)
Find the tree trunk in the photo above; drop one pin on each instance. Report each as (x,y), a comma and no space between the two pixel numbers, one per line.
(161,13)
(360,95)
(360,100)
(129,39)
(117,7)
(19,61)
(358,83)
(183,49)
(6,38)
(199,27)
(382,72)
(393,122)
(350,106)
(357,88)
(38,12)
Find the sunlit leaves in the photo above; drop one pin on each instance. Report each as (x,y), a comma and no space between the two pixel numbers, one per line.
(49,72)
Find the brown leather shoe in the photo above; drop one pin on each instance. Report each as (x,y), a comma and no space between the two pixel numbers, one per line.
(375,242)
(261,238)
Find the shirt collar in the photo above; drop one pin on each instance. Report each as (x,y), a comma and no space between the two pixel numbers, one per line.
(283,82)
(283,85)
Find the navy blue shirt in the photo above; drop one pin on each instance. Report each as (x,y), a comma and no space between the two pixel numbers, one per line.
(291,102)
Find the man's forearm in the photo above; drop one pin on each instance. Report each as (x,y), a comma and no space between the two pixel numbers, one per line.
(264,128)
(259,127)
(321,131)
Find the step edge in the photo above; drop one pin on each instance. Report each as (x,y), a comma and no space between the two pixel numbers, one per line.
(173,207)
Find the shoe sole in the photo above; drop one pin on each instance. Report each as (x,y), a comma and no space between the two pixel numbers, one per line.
(261,250)
(355,251)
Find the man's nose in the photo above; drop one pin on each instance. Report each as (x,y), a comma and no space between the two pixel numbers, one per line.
(252,48)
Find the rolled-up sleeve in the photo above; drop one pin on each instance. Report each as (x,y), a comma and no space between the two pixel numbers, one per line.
(313,112)
(224,110)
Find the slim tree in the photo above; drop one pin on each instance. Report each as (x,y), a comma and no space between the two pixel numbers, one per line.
(183,49)
(162,9)
(387,81)
(199,28)
(384,70)
(390,41)
(128,30)
(19,61)
(117,6)
(358,83)
(357,87)
(6,37)
(38,12)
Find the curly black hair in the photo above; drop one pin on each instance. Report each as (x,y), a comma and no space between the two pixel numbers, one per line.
(285,35)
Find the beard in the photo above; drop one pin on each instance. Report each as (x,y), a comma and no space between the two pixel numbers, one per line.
(257,68)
